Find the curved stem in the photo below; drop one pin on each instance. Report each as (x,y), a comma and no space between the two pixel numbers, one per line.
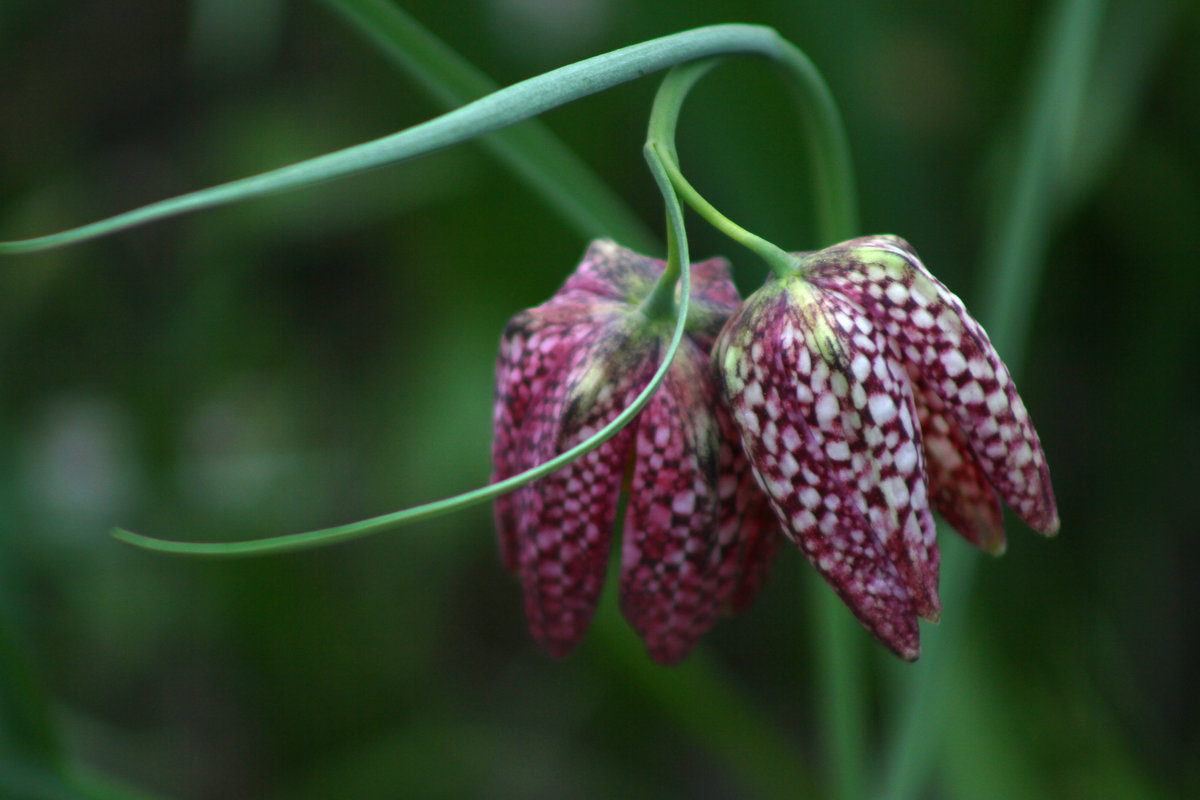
(678,255)
(396,519)
(678,258)
(528,99)
(530,150)
(664,119)
(840,672)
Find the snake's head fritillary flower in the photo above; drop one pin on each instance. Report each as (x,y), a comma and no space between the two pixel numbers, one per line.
(865,395)
(698,534)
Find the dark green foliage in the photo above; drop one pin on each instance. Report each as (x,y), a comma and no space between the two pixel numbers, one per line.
(327,355)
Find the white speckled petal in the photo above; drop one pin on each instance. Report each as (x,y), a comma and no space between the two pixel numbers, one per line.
(781,392)
(949,355)
(529,372)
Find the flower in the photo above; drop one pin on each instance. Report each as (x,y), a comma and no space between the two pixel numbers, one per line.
(697,534)
(865,395)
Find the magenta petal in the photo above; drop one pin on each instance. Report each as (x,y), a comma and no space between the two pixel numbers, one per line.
(672,556)
(566,524)
(760,539)
(697,540)
(530,370)
(862,413)
(747,516)
(566,519)
(943,346)
(769,382)
(958,488)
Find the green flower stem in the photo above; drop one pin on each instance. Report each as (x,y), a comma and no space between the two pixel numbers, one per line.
(514,104)
(664,119)
(660,303)
(840,673)
(834,181)
(782,263)
(341,533)
(530,150)
(386,522)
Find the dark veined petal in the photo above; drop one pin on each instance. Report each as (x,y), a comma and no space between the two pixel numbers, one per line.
(863,413)
(672,556)
(947,352)
(698,536)
(608,273)
(777,382)
(534,352)
(565,520)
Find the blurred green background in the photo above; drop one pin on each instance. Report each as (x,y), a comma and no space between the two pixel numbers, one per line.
(327,355)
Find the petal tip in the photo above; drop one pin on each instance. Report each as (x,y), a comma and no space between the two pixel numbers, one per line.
(995,547)
(558,649)
(668,656)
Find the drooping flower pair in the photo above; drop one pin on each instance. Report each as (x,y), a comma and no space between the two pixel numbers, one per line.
(863,395)
(698,535)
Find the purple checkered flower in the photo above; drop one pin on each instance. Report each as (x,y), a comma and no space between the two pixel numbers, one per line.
(698,534)
(865,395)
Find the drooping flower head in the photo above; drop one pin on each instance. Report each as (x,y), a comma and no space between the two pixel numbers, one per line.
(697,533)
(865,395)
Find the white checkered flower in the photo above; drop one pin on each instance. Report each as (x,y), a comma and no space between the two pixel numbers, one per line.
(865,396)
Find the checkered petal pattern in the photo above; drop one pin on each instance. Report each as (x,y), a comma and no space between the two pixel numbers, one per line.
(746,513)
(693,546)
(865,396)
(566,520)
(696,540)
(987,442)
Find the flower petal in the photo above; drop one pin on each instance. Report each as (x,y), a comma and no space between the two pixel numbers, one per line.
(565,369)
(958,488)
(943,346)
(565,520)
(747,515)
(773,375)
(530,370)
(863,414)
(672,557)
(608,272)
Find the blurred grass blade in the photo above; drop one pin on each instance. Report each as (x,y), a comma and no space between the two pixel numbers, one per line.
(1049,168)
(708,705)
(840,681)
(21,779)
(568,186)
(1014,256)
(27,729)
(33,762)
(515,103)
(1133,40)
(1019,231)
